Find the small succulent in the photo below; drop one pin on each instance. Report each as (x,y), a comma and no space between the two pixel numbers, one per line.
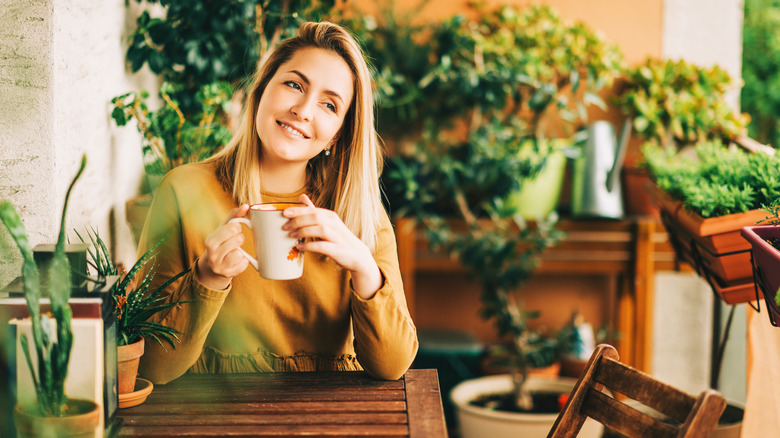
(134,299)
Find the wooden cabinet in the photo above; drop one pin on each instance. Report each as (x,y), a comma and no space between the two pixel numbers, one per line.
(627,252)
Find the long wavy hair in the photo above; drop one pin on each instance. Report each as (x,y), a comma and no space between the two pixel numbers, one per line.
(347,181)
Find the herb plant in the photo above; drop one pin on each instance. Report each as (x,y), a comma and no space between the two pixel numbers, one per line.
(716,181)
(52,348)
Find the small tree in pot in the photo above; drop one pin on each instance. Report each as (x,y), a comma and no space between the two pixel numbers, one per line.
(511,81)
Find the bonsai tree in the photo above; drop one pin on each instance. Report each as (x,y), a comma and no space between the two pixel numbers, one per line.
(50,368)
(510,80)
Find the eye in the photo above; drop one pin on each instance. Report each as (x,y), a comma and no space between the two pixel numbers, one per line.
(293,85)
(330,107)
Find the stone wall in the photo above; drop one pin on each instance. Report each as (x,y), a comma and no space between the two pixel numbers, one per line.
(61,62)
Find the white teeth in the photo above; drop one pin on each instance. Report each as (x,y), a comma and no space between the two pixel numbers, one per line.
(292,130)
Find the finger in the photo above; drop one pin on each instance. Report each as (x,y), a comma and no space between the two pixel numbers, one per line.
(306,200)
(311,231)
(239,211)
(223,233)
(220,243)
(318,246)
(297,211)
(234,263)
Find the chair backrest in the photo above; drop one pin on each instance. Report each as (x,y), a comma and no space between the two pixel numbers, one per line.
(687,416)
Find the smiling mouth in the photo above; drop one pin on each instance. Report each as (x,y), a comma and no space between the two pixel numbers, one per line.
(292,130)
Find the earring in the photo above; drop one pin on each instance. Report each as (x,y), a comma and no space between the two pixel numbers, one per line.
(327,152)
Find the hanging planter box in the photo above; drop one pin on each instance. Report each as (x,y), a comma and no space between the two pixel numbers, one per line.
(713,246)
(766,265)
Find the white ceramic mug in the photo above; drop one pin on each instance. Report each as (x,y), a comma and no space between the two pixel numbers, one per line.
(277,257)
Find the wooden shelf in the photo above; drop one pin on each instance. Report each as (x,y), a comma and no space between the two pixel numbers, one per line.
(629,251)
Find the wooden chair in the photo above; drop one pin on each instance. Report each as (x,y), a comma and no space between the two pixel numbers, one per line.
(690,416)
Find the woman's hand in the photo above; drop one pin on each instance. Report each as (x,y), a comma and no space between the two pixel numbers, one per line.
(326,234)
(222,260)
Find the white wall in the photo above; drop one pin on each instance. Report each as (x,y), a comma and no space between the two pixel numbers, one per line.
(707,33)
(61,62)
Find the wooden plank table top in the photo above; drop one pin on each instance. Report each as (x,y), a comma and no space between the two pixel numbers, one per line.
(348,403)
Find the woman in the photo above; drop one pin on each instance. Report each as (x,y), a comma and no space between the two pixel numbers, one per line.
(306,135)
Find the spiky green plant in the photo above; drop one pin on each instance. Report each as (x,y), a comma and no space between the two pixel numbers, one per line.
(53,354)
(135,303)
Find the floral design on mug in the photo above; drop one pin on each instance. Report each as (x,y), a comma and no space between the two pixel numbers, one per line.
(295,253)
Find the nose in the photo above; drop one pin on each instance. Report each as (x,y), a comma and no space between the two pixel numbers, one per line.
(303,109)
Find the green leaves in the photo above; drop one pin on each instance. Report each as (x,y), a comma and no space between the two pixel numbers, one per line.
(678,102)
(52,356)
(718,180)
(171,138)
(135,301)
(761,69)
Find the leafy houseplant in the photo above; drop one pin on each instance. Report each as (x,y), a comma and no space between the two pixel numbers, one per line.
(506,85)
(706,200)
(676,103)
(761,69)
(135,302)
(52,348)
(202,52)
(201,43)
(718,180)
(170,138)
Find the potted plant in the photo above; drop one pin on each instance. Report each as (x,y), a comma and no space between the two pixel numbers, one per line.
(201,55)
(498,84)
(765,257)
(705,200)
(674,104)
(134,304)
(169,138)
(54,414)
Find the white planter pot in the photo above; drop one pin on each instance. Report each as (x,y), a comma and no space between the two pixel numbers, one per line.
(477,422)
(731,428)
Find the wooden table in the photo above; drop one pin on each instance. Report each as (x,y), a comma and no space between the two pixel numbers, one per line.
(290,404)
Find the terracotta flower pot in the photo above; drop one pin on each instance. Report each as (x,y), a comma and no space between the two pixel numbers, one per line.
(81,421)
(127,357)
(766,264)
(712,246)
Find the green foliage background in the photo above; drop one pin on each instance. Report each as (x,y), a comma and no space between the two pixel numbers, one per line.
(761,69)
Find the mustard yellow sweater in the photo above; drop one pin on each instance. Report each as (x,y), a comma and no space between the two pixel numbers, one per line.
(314,323)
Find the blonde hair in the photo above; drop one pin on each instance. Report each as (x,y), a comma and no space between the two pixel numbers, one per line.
(347,181)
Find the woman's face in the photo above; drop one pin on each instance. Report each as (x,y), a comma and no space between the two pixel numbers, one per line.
(303,106)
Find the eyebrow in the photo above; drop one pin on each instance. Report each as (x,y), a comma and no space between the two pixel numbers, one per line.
(306,80)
